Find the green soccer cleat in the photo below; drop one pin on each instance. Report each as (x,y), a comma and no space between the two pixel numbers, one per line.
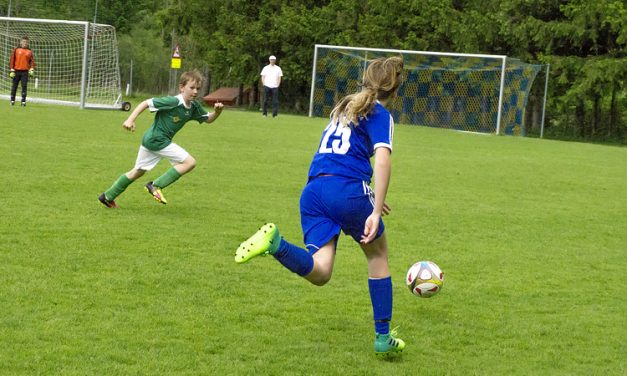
(155,192)
(385,344)
(264,241)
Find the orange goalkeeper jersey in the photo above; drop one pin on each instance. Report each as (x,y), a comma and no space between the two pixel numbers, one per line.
(22,59)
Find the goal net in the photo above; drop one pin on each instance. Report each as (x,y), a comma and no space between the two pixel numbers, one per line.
(475,93)
(76,63)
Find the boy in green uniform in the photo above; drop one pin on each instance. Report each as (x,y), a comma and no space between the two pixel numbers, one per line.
(171,115)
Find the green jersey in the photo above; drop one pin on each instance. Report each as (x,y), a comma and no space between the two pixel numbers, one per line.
(171,115)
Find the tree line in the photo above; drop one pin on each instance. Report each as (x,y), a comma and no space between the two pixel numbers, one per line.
(583,41)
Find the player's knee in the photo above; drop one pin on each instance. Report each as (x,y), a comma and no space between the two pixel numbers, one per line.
(135,174)
(190,162)
(321,279)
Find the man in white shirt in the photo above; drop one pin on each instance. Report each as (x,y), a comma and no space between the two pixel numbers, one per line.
(271,79)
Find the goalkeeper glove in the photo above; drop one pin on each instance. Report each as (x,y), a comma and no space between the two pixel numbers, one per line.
(31,72)
(12,75)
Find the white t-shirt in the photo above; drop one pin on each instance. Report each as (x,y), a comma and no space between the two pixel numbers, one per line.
(270,75)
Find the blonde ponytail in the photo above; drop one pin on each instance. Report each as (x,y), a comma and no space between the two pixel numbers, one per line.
(381,79)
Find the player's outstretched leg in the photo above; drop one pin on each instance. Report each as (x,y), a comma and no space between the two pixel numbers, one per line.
(385,344)
(155,192)
(266,240)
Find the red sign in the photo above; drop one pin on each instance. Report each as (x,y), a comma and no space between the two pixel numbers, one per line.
(176,53)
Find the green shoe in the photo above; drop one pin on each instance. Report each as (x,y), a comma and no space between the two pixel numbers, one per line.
(266,240)
(385,344)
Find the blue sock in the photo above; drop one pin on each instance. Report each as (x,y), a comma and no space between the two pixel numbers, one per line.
(296,259)
(381,297)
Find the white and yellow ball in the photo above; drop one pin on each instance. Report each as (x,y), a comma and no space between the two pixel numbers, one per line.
(424,279)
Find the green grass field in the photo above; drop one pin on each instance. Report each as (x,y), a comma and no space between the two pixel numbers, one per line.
(531,235)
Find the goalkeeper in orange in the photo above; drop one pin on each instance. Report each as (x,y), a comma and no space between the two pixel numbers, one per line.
(22,66)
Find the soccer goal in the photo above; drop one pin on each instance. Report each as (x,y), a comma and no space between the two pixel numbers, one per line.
(467,92)
(76,63)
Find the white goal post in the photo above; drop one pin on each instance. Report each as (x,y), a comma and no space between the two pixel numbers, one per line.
(467,92)
(76,62)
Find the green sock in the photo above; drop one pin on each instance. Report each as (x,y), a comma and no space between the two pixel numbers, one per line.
(118,187)
(167,178)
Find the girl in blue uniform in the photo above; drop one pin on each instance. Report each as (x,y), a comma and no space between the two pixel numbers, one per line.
(338,196)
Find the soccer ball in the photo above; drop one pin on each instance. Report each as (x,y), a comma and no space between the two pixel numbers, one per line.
(424,279)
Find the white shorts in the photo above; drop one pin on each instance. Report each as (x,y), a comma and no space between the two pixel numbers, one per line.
(148,159)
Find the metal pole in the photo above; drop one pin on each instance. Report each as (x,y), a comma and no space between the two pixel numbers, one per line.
(9,10)
(313,81)
(363,72)
(409,52)
(546,86)
(498,118)
(84,73)
(172,83)
(96,11)
(130,80)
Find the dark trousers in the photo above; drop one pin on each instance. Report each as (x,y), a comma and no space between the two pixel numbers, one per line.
(274,93)
(20,76)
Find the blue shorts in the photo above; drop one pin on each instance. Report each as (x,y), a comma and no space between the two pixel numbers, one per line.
(329,204)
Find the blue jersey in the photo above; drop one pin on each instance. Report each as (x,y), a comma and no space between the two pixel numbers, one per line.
(346,150)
